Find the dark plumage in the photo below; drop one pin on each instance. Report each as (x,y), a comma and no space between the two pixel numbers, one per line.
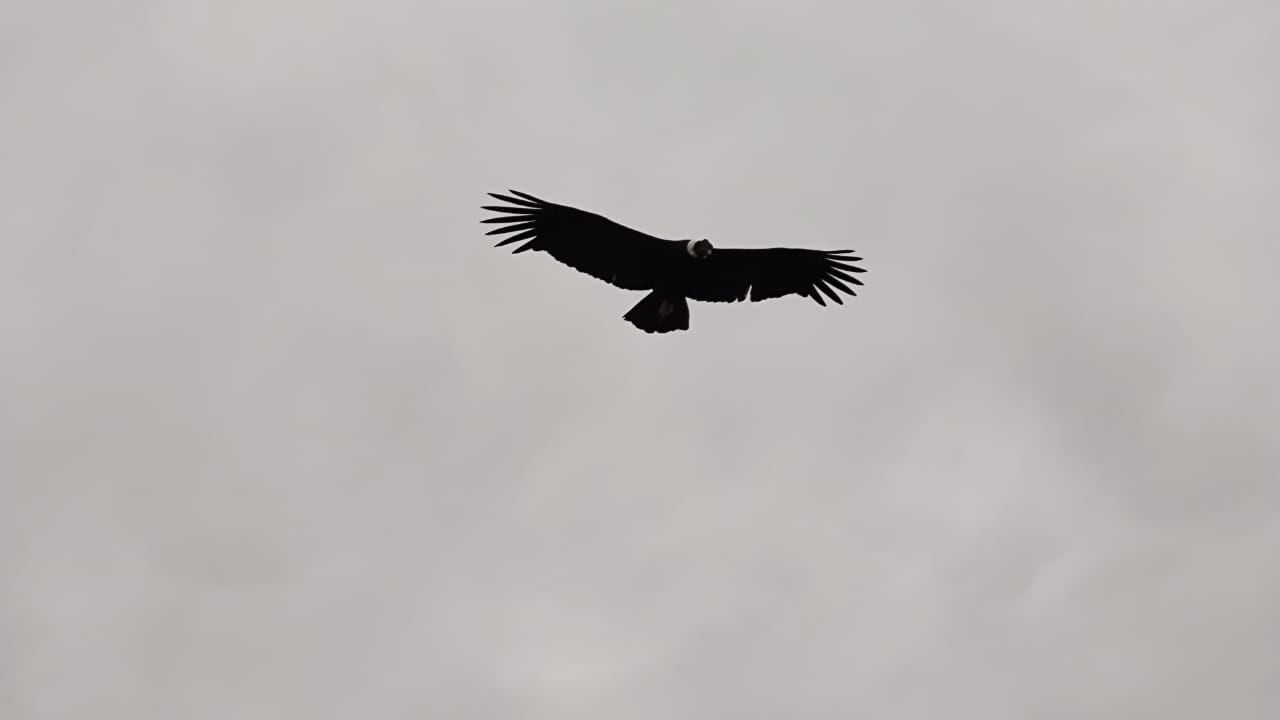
(673,270)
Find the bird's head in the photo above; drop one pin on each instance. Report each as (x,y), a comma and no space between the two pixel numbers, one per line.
(699,249)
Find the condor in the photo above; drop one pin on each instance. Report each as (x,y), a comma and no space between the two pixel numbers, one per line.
(674,271)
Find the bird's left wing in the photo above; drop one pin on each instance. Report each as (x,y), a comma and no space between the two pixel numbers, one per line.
(728,275)
(584,241)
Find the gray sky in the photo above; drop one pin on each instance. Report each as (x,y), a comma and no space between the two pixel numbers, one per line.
(284,436)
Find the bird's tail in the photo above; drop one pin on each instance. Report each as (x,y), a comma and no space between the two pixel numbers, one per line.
(659,313)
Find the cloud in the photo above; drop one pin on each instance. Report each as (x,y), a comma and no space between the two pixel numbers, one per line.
(283,435)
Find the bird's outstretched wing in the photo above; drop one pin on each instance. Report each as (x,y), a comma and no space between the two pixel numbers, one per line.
(587,242)
(728,274)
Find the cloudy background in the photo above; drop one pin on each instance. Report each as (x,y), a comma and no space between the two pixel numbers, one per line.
(282,435)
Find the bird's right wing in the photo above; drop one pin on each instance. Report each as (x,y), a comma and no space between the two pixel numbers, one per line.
(766,273)
(584,241)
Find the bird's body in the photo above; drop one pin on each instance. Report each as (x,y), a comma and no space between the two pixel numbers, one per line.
(674,271)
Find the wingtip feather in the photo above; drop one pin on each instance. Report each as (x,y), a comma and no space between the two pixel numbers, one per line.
(513,201)
(511,228)
(517,237)
(509,210)
(835,296)
(527,196)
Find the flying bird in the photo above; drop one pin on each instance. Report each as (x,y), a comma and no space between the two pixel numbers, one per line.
(674,271)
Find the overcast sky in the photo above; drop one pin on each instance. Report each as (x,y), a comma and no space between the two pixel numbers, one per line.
(282,435)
